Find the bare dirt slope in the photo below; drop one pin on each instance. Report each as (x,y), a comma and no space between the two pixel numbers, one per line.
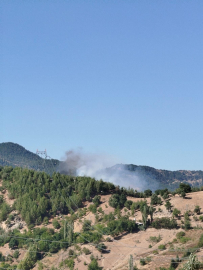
(138,244)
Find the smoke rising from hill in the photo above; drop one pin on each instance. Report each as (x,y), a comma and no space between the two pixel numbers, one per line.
(102,166)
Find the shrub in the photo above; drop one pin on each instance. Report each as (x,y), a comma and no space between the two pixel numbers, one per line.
(155,239)
(165,196)
(176,213)
(201,218)
(96,200)
(86,226)
(128,204)
(100,210)
(148,193)
(162,247)
(186,254)
(185,187)
(180,234)
(71,252)
(16,254)
(200,243)
(187,225)
(2,258)
(155,200)
(168,206)
(197,209)
(92,208)
(69,263)
(108,239)
(155,252)
(46,220)
(175,262)
(184,239)
(117,200)
(142,261)
(86,251)
(56,224)
(101,247)
(187,215)
(13,243)
(94,265)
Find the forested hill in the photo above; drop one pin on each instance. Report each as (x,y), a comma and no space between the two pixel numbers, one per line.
(13,154)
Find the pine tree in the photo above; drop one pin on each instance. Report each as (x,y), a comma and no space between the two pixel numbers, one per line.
(131,263)
(145,212)
(151,212)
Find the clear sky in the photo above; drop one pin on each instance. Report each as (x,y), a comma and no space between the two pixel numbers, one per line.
(117,77)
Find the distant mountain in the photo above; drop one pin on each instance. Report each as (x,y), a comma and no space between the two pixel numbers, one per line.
(161,178)
(13,154)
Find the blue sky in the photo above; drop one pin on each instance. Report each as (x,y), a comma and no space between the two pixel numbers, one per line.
(117,77)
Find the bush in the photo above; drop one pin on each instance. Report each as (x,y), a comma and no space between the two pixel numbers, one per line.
(180,234)
(176,213)
(128,204)
(165,223)
(142,261)
(2,258)
(197,209)
(155,200)
(86,251)
(175,263)
(56,224)
(16,254)
(165,196)
(94,265)
(184,239)
(46,220)
(185,187)
(108,239)
(69,263)
(155,252)
(71,252)
(200,243)
(92,208)
(162,247)
(187,224)
(101,247)
(155,239)
(148,193)
(13,243)
(86,226)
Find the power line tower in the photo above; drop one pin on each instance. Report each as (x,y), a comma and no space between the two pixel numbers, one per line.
(42,154)
(47,164)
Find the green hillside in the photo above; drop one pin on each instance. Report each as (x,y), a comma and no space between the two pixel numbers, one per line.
(12,154)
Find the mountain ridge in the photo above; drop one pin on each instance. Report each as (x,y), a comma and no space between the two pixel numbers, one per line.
(15,155)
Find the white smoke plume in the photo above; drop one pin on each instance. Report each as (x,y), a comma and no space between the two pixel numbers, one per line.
(102,166)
